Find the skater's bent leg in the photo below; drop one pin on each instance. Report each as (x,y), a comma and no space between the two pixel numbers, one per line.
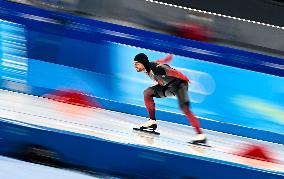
(183,99)
(191,117)
(149,102)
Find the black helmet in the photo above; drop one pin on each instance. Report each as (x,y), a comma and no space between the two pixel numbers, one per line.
(142,58)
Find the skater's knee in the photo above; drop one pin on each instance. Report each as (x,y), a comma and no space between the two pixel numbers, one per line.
(184,106)
(148,92)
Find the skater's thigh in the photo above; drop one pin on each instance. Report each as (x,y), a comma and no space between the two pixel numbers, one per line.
(182,94)
(158,91)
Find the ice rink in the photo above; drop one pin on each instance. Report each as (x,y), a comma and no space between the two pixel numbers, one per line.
(116,126)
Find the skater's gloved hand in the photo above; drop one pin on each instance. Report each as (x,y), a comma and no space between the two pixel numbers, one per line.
(160,83)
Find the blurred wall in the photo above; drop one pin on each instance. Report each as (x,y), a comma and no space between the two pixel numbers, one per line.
(266,11)
(101,64)
(187,23)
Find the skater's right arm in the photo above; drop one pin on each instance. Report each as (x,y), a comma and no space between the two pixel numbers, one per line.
(167,59)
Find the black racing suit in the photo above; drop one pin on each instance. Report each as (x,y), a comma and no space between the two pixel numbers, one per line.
(167,85)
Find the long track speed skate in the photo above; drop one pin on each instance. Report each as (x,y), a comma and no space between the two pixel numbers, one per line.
(148,127)
(200,140)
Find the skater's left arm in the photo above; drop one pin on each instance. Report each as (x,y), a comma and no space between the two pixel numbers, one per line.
(177,74)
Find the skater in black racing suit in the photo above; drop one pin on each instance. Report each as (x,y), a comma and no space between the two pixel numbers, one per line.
(171,82)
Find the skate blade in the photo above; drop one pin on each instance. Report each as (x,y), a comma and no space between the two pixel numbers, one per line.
(147,131)
(199,144)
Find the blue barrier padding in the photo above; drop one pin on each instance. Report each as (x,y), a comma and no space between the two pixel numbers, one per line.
(133,160)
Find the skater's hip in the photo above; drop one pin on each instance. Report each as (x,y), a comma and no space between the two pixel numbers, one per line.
(171,89)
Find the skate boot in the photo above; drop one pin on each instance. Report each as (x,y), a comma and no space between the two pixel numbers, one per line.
(150,126)
(200,139)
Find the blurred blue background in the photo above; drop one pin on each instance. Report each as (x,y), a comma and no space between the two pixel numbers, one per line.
(81,52)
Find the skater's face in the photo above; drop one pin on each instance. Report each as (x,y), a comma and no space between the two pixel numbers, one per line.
(139,66)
